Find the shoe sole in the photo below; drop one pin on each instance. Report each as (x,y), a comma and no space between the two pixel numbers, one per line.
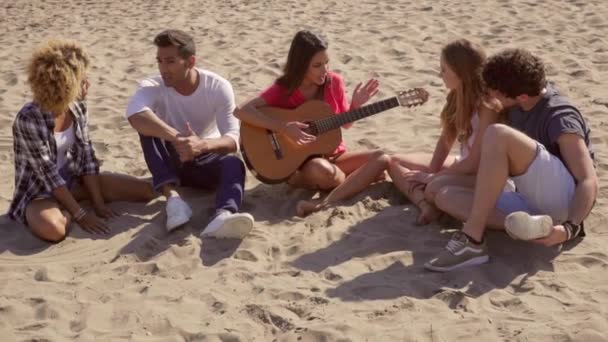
(178,223)
(522,226)
(234,228)
(471,262)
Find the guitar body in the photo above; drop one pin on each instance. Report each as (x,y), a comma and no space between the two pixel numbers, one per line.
(271,157)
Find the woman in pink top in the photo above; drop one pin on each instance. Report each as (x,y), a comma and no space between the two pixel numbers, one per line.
(306,77)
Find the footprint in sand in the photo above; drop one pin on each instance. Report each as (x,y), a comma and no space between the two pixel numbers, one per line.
(244,254)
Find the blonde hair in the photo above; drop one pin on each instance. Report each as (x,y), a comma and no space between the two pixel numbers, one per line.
(55,74)
(466,59)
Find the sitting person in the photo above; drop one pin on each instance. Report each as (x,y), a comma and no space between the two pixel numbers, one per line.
(464,118)
(55,164)
(545,147)
(306,77)
(187,130)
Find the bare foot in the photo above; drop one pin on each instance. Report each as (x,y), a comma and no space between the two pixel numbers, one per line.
(558,235)
(304,208)
(428,213)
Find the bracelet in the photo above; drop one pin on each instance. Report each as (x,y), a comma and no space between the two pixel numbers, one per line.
(80,214)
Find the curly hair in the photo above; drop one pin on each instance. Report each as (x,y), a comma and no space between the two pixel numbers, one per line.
(56,71)
(466,59)
(515,72)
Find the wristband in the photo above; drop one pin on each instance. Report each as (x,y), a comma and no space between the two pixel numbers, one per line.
(572,229)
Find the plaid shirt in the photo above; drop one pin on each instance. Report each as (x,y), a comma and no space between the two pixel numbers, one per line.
(35,150)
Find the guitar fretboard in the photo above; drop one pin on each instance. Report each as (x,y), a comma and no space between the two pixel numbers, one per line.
(336,121)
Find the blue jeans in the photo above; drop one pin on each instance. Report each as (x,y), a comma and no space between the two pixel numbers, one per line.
(214,171)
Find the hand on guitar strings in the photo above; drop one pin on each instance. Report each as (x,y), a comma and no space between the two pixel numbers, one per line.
(362,94)
(293,130)
(188,145)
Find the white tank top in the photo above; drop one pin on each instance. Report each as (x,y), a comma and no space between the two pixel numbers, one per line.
(467,146)
(64,141)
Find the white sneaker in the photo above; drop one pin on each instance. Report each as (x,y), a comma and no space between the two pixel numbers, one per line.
(178,212)
(523,226)
(226,225)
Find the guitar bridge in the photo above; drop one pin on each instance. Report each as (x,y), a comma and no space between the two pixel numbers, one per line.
(274,142)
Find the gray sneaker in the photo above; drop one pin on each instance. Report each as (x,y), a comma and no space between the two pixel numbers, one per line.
(459,252)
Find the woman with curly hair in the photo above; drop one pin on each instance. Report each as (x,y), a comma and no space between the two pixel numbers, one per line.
(55,164)
(468,111)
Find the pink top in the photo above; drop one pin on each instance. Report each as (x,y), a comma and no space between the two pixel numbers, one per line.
(335,96)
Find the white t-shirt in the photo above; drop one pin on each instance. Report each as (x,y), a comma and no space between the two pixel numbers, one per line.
(209,110)
(64,141)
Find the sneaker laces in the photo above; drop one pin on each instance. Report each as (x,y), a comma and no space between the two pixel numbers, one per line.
(456,243)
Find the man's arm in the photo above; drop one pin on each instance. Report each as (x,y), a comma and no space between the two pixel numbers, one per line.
(149,124)
(578,160)
(227,123)
(189,145)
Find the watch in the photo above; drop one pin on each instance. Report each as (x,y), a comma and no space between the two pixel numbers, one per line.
(572,229)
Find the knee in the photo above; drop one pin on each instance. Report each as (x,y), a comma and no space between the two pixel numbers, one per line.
(394,167)
(233,163)
(381,159)
(496,134)
(442,198)
(326,175)
(55,231)
(433,188)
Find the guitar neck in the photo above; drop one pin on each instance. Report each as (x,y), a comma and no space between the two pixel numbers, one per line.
(336,121)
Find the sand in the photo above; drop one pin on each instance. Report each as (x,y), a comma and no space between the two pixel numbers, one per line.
(351,273)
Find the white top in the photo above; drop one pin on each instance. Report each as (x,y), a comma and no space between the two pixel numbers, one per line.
(466,147)
(64,141)
(209,110)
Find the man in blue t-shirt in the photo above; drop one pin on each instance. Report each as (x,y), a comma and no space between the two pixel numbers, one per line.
(545,148)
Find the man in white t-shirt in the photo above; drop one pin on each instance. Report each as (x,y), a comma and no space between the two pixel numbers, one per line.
(187,130)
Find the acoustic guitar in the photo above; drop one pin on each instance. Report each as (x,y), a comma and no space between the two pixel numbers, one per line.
(273,158)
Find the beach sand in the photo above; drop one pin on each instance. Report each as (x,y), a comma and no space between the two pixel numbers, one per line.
(351,273)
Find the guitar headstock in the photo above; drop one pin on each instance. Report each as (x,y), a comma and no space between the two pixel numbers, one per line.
(413,97)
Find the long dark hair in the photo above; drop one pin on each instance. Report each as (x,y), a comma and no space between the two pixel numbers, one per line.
(304,46)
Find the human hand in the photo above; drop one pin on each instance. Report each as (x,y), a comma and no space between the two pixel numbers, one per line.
(104,211)
(294,132)
(188,145)
(92,224)
(362,94)
(419,177)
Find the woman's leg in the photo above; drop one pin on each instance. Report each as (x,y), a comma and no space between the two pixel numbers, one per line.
(432,189)
(457,201)
(362,168)
(46,220)
(317,174)
(119,187)
(415,192)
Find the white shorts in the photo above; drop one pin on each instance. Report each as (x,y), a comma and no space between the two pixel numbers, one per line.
(546,188)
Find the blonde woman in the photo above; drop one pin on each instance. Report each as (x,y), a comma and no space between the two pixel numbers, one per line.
(55,164)
(465,116)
